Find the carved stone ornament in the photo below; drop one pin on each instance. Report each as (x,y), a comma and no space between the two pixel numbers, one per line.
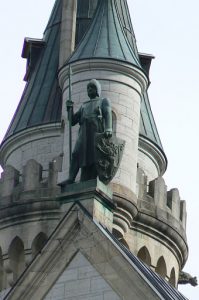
(186,278)
(108,155)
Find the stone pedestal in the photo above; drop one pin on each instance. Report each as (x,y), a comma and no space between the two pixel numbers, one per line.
(95,197)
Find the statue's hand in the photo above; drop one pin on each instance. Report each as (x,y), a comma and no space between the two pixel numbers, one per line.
(69,105)
(108,133)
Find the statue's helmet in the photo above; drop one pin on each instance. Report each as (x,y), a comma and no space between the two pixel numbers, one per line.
(97,85)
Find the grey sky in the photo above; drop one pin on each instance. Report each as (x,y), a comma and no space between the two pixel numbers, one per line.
(169,30)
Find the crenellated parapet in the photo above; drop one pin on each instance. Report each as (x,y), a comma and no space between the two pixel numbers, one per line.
(160,225)
(16,186)
(28,200)
(154,199)
(152,202)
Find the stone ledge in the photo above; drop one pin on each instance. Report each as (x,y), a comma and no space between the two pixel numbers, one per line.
(159,229)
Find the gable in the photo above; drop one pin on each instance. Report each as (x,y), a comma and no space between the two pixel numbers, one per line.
(80,279)
(111,270)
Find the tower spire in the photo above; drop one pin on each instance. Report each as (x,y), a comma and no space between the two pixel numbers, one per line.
(68,27)
(105,37)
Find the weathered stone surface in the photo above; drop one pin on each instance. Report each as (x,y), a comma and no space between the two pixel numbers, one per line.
(41,143)
(173,202)
(32,175)
(95,197)
(141,183)
(53,174)
(81,280)
(10,179)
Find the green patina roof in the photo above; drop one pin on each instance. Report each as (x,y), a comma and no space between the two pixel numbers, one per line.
(105,37)
(85,11)
(109,34)
(41,99)
(148,127)
(125,18)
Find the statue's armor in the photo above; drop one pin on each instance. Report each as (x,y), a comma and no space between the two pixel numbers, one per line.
(93,116)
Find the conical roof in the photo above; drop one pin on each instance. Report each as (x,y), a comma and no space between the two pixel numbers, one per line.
(105,30)
(148,127)
(105,37)
(86,10)
(123,10)
(41,99)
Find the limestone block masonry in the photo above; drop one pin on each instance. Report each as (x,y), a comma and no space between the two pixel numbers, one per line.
(42,143)
(124,85)
(81,281)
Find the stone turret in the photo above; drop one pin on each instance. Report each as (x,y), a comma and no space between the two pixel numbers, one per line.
(105,54)
(141,213)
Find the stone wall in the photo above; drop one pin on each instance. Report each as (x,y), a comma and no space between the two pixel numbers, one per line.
(41,143)
(80,280)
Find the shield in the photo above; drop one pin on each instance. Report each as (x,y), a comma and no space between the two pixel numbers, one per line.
(108,155)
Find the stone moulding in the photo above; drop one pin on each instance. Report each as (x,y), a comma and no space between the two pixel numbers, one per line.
(105,65)
(126,207)
(162,232)
(26,136)
(26,213)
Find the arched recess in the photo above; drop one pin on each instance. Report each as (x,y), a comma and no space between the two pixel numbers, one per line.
(144,255)
(120,237)
(38,243)
(172,278)
(16,257)
(123,241)
(161,268)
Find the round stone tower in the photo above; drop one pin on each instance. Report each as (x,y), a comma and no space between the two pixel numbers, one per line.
(105,54)
(147,218)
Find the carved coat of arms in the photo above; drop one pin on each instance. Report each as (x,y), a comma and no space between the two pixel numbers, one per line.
(108,155)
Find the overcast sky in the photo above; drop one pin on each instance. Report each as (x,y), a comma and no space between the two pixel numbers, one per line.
(170,31)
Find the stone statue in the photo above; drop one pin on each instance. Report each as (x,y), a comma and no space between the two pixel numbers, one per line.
(94,116)
(186,278)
